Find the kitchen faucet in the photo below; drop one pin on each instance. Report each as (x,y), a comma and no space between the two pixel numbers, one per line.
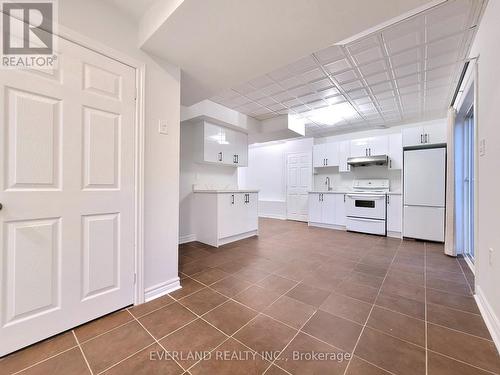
(327,183)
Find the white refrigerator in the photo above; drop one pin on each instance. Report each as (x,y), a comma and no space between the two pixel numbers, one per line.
(424,184)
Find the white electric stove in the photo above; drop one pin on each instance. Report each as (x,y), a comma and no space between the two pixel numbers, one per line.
(366,206)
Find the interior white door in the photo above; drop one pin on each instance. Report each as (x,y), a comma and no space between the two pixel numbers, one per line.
(67,189)
(299,181)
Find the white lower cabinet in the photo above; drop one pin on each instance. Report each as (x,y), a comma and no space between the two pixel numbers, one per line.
(327,209)
(224,217)
(394,213)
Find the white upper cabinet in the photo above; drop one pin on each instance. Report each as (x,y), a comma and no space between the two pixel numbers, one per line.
(344,152)
(220,145)
(395,151)
(424,135)
(326,155)
(369,146)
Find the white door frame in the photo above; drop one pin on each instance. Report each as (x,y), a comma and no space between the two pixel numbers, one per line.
(140,74)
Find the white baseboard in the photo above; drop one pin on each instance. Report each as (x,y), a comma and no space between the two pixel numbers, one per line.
(327,226)
(271,216)
(394,234)
(187,238)
(161,289)
(491,320)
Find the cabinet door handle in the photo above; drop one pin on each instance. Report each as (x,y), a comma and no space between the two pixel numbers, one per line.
(220,156)
(388,199)
(390,163)
(326,162)
(232,198)
(421,138)
(344,198)
(426,138)
(366,152)
(238,159)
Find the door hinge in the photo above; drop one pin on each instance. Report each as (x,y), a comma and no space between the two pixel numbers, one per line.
(135,278)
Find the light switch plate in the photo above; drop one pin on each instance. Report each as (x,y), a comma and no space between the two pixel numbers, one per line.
(162,127)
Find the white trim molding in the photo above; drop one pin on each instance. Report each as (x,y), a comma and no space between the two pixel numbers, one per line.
(161,289)
(489,316)
(187,238)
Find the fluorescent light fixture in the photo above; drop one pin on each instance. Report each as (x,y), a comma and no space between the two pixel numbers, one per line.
(333,114)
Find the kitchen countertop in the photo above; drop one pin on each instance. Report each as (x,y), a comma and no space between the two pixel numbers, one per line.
(220,191)
(348,192)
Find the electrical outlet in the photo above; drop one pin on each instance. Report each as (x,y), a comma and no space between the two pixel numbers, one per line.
(482,147)
(162,127)
(491,252)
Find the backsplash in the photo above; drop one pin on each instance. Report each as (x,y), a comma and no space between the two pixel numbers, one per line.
(345,179)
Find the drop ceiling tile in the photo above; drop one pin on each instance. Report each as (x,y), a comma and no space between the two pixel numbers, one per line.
(365,100)
(321,84)
(409,89)
(351,85)
(255,95)
(441,60)
(404,42)
(377,78)
(301,90)
(338,66)
(310,97)
(291,82)
(228,94)
(329,54)
(261,111)
(346,76)
(244,88)
(261,82)
(446,27)
(318,104)
(313,75)
(408,80)
(328,92)
(301,108)
(369,55)
(409,26)
(248,108)
(405,70)
(237,101)
(404,58)
(271,89)
(302,65)
(367,108)
(336,99)
(280,74)
(444,71)
(444,45)
(266,101)
(292,103)
(282,96)
(362,44)
(381,87)
(276,107)
(357,93)
(384,95)
(373,67)
(439,82)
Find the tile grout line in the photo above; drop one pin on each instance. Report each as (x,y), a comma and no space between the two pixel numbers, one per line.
(81,350)
(465,363)
(43,360)
(466,279)
(373,306)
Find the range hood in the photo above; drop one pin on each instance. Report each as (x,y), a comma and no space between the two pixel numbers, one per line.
(363,161)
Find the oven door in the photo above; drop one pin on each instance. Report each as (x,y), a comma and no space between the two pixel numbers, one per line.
(368,206)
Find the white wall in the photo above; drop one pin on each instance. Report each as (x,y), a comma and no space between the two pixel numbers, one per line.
(488,100)
(194,173)
(97,20)
(266,171)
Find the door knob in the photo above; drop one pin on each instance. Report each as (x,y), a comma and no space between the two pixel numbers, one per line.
(1,206)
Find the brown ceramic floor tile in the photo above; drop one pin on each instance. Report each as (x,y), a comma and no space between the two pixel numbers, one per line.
(302,346)
(219,364)
(167,319)
(440,365)
(478,352)
(196,337)
(390,353)
(365,279)
(102,325)
(116,345)
(449,286)
(147,307)
(188,286)
(398,325)
(458,320)
(70,362)
(346,307)
(322,280)
(400,304)
(151,361)
(256,297)
(36,353)
(231,267)
(336,331)
(308,294)
(357,366)
(361,292)
(275,370)
(230,286)
(210,276)
(290,311)
(251,274)
(230,317)
(401,289)
(406,277)
(455,301)
(265,334)
(276,284)
(203,301)
(371,270)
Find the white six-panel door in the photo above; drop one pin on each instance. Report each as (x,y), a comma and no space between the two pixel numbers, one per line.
(299,181)
(67,188)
